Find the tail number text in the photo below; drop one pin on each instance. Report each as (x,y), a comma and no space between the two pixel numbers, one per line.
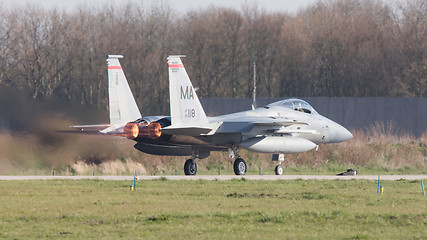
(190,113)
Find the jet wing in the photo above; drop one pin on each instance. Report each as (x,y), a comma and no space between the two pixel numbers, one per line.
(241,127)
(235,127)
(285,124)
(228,127)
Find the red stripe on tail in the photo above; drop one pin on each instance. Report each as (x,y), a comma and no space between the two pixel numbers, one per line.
(114,67)
(176,65)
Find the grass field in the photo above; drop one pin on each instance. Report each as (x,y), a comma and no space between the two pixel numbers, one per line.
(237,209)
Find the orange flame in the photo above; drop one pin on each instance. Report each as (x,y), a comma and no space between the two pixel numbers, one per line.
(151,131)
(134,130)
(131,130)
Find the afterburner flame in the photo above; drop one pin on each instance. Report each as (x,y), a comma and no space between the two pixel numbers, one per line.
(151,131)
(131,130)
(135,130)
(156,130)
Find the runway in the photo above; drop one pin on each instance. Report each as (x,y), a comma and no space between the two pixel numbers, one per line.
(224,177)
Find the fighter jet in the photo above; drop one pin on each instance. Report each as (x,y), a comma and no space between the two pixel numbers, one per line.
(283,127)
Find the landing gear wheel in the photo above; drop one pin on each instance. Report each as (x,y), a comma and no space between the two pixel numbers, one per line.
(240,166)
(190,167)
(278,170)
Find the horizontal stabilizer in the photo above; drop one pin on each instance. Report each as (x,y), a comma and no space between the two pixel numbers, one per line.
(78,132)
(86,129)
(103,129)
(91,128)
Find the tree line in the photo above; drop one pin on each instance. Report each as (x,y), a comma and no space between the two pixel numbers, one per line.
(332,48)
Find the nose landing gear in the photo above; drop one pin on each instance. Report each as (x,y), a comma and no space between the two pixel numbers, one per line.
(278,170)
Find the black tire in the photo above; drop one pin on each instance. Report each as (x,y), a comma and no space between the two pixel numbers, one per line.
(190,168)
(240,167)
(278,170)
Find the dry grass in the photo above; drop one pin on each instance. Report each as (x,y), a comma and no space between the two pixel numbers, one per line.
(379,146)
(115,167)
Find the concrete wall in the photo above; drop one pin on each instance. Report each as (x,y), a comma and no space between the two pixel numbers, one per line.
(408,115)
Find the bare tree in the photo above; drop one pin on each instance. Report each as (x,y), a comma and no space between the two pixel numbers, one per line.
(331,48)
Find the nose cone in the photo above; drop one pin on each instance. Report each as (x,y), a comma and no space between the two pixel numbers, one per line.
(343,135)
(339,133)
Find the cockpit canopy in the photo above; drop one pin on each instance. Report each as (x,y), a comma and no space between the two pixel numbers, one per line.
(294,104)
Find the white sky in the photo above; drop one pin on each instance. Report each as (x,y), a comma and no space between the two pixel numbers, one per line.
(182,6)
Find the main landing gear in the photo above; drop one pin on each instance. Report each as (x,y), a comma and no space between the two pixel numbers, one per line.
(190,167)
(239,165)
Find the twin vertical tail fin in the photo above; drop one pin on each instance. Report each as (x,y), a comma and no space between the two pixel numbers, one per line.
(186,109)
(123,108)
(187,114)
